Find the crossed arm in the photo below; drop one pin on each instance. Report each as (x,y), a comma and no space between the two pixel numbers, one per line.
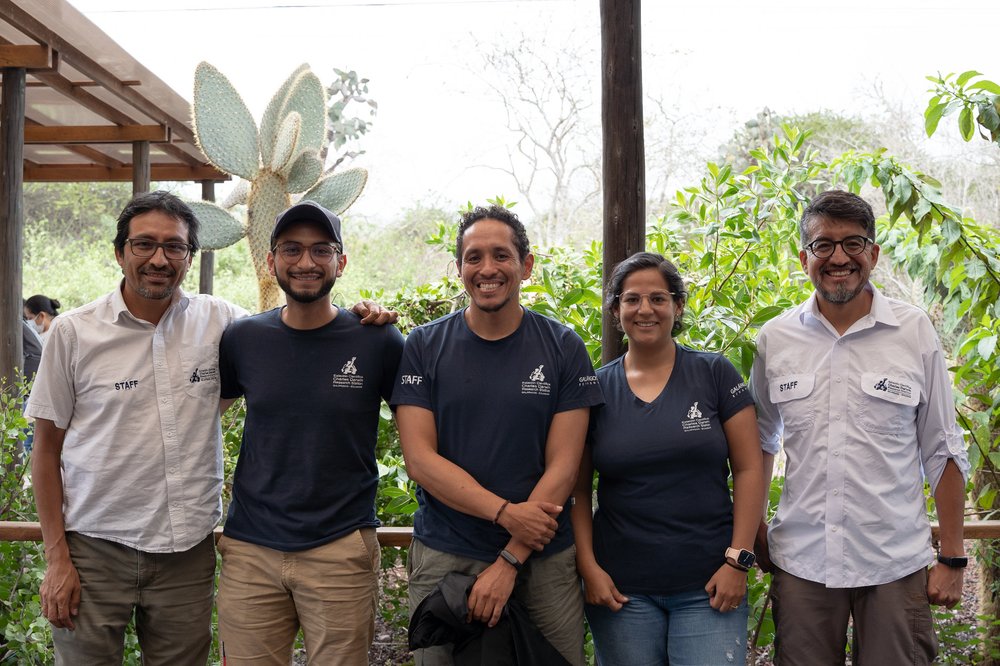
(531,523)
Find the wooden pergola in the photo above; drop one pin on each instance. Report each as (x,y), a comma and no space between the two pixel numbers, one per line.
(77,107)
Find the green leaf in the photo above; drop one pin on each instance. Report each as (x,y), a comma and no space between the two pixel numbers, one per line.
(766,314)
(965,124)
(988,117)
(932,117)
(964,77)
(987,86)
(223,126)
(986,347)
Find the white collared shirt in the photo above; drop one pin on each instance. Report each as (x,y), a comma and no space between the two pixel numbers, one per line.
(865,417)
(142,456)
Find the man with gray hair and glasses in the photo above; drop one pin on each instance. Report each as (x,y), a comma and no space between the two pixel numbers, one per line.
(855,386)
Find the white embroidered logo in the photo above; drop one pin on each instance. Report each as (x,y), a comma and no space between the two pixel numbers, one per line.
(695,420)
(536,384)
(349,377)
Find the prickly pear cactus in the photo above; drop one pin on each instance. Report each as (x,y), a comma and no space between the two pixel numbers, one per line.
(279,160)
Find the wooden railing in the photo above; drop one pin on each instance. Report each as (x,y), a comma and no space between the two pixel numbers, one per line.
(399,537)
(388,537)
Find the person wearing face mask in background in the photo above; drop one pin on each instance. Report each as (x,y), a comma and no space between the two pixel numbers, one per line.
(39,311)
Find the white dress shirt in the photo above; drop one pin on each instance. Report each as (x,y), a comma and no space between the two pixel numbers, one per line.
(865,417)
(142,456)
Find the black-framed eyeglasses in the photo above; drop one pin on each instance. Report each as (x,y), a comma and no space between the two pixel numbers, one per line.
(657,299)
(173,250)
(321,253)
(853,246)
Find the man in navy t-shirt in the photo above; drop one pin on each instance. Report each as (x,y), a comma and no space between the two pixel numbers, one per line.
(299,546)
(492,406)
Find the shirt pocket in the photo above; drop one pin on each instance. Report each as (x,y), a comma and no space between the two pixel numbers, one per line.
(200,368)
(887,402)
(795,399)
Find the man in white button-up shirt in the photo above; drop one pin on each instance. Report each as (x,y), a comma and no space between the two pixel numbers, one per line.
(127,466)
(856,387)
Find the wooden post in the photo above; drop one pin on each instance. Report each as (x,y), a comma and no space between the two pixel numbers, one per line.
(140,167)
(624,155)
(206,268)
(12,107)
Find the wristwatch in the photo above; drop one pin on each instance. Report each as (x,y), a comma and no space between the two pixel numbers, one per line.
(742,557)
(953,562)
(511,559)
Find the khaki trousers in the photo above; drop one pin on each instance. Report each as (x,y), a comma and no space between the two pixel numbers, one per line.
(330,591)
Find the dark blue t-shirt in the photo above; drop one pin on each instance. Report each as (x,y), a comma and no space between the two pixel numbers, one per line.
(306,473)
(493,402)
(664,514)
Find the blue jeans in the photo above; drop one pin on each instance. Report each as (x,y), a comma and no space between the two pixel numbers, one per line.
(677,629)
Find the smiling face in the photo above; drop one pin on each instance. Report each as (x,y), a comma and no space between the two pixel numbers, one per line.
(305,280)
(153,278)
(490,267)
(646,308)
(839,278)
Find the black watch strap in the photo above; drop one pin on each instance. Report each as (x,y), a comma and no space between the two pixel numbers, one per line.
(953,562)
(511,559)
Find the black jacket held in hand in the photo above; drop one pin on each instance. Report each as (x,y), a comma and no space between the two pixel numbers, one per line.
(440,619)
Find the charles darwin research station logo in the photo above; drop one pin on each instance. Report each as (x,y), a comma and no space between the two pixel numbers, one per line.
(204,375)
(895,388)
(694,420)
(348,376)
(536,384)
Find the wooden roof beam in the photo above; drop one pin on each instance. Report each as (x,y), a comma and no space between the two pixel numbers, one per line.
(95,173)
(28,56)
(64,134)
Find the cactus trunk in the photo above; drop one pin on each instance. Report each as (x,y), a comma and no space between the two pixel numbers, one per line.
(267,198)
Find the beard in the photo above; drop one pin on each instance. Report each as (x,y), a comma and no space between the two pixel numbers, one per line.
(841,294)
(306,296)
(157,293)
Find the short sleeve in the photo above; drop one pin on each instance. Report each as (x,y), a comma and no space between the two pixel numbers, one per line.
(734,394)
(228,375)
(412,383)
(578,385)
(768,417)
(53,394)
(392,352)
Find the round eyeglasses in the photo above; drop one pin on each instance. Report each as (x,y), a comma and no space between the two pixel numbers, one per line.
(852,245)
(321,253)
(143,247)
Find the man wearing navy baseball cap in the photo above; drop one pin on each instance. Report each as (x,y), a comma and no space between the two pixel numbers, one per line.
(299,547)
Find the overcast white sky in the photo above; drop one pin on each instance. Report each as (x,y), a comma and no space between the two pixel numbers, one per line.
(724,60)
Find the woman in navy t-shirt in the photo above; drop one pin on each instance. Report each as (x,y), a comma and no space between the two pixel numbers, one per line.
(664,560)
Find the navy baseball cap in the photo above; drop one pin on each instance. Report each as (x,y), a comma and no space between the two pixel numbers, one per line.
(308,211)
